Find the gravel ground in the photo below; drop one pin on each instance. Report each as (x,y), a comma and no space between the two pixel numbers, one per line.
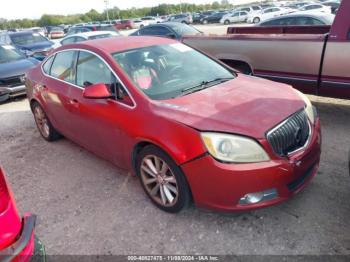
(85,205)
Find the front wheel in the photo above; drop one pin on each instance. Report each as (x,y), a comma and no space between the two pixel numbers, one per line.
(205,22)
(47,131)
(256,20)
(227,22)
(162,180)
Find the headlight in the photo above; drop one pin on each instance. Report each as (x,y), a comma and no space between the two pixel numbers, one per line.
(310,110)
(234,149)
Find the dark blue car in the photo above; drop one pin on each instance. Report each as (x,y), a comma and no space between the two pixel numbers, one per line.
(30,43)
(13,66)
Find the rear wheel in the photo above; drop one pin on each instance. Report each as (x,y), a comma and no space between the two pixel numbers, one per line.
(47,131)
(162,180)
(227,22)
(256,20)
(205,22)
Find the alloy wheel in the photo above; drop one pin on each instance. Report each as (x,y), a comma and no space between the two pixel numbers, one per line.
(159,180)
(41,121)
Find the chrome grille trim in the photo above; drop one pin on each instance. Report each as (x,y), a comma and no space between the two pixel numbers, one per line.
(290,136)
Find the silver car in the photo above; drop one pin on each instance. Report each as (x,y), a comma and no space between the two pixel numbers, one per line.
(181,18)
(235,17)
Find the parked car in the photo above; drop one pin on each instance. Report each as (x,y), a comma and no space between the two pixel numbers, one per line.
(151,20)
(55,32)
(92,35)
(267,13)
(13,66)
(89,28)
(30,43)
(314,59)
(214,18)
(228,141)
(124,24)
(316,7)
(249,9)
(334,5)
(300,19)
(236,17)
(196,17)
(17,235)
(39,30)
(138,23)
(172,30)
(181,18)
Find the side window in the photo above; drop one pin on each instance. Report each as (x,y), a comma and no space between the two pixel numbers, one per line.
(47,65)
(79,39)
(92,70)
(62,66)
(68,41)
(155,30)
(314,21)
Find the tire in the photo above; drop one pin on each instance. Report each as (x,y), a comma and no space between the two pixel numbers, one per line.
(46,129)
(39,254)
(128,28)
(141,26)
(169,179)
(205,22)
(227,22)
(256,20)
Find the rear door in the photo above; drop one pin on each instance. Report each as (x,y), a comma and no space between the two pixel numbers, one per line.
(60,76)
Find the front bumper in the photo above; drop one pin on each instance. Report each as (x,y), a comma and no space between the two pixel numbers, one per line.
(221,186)
(12,92)
(23,248)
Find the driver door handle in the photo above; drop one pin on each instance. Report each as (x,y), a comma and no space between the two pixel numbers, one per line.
(74,103)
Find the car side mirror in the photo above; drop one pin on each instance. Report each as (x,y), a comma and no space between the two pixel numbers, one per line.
(97,91)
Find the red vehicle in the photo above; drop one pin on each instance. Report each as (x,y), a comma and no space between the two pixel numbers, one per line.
(124,24)
(189,126)
(17,239)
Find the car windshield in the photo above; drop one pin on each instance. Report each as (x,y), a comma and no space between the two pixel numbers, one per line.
(27,39)
(9,53)
(167,71)
(183,29)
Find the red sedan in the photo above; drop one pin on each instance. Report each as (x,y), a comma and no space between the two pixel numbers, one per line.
(189,127)
(17,240)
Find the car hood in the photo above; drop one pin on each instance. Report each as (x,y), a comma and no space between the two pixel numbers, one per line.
(15,68)
(37,46)
(246,105)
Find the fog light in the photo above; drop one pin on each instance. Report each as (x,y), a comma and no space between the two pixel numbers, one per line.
(253,198)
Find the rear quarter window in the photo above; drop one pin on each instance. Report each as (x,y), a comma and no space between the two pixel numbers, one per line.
(47,65)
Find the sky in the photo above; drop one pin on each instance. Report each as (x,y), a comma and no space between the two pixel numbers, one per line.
(16,9)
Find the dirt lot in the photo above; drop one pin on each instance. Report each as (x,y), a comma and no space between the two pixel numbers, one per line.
(85,205)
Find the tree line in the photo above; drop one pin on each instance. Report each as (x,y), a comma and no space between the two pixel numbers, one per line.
(113,13)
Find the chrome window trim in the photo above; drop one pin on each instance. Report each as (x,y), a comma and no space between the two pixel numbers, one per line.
(282,123)
(74,85)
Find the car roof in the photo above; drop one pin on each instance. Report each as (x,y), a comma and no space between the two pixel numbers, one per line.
(27,32)
(92,33)
(299,14)
(120,44)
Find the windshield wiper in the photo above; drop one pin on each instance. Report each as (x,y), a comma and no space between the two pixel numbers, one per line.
(205,84)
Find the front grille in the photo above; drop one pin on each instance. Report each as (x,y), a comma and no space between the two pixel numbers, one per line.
(290,135)
(12,81)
